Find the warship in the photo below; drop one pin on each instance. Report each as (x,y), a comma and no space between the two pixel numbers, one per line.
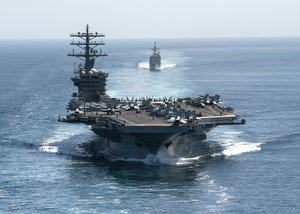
(155,59)
(137,127)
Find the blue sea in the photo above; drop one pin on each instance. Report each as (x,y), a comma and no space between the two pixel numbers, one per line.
(50,167)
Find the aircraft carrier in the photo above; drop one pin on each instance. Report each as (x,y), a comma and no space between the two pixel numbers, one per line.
(138,126)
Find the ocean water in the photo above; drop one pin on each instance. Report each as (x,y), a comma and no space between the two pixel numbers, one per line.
(50,167)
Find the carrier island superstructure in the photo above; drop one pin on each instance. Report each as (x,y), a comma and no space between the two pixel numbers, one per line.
(137,127)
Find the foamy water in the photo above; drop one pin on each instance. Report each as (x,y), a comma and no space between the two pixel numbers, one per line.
(234,144)
(238,148)
(217,192)
(164,66)
(65,140)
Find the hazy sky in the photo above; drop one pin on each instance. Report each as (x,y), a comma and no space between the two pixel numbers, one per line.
(150,18)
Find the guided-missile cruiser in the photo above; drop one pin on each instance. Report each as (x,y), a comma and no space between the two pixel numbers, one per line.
(155,59)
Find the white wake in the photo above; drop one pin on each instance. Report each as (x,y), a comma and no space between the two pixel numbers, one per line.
(164,66)
(234,145)
(65,140)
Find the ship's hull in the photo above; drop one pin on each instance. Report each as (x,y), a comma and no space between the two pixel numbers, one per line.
(140,142)
(155,62)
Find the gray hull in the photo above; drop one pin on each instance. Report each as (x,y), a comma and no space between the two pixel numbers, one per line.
(155,62)
(138,143)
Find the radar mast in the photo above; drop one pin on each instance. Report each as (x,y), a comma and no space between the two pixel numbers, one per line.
(89,51)
(155,49)
(90,81)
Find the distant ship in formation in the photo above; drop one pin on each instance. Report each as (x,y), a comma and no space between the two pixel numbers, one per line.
(142,126)
(155,59)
